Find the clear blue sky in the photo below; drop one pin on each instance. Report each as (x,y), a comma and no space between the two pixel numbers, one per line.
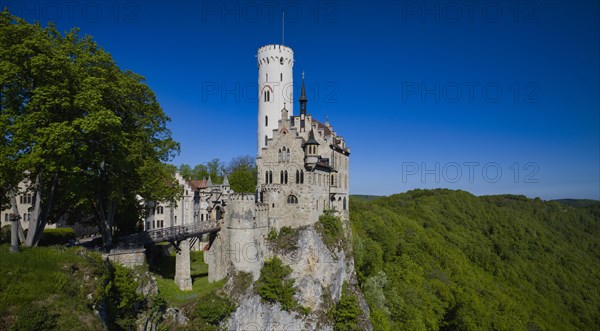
(456,90)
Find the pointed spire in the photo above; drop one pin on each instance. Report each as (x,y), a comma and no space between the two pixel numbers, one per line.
(209,182)
(225,180)
(311,138)
(303,93)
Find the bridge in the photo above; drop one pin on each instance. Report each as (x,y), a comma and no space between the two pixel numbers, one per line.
(130,248)
(172,234)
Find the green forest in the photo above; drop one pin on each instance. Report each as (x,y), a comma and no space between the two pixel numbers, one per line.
(449,260)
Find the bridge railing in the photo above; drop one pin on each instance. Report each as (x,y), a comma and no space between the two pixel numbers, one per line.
(174,233)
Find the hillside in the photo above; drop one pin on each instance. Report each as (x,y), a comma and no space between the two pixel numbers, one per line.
(441,259)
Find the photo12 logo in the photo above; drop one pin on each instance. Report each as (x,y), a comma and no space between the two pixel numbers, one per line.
(436,12)
(453,172)
(469,92)
(237,92)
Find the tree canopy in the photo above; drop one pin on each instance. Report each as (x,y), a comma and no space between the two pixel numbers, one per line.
(441,259)
(241,172)
(90,137)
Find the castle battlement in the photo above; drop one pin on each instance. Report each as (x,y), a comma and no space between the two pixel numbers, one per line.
(262,207)
(241,197)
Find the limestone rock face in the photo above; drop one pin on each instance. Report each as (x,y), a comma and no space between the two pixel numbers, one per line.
(319,276)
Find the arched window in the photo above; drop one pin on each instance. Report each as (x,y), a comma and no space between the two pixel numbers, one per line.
(266,177)
(281,61)
(271,177)
(266,140)
(292,199)
(332,179)
(301,176)
(297,177)
(280,156)
(281,177)
(281,77)
(285,176)
(266,120)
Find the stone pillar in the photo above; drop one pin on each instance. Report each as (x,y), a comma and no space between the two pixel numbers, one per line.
(14,235)
(183,278)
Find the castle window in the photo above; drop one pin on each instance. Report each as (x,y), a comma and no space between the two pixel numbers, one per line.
(281,61)
(292,199)
(281,77)
(301,176)
(286,176)
(271,177)
(281,177)
(266,140)
(280,156)
(266,120)
(266,77)
(266,177)
(344,203)
(297,177)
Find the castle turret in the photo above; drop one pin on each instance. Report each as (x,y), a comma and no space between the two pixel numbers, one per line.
(311,150)
(275,87)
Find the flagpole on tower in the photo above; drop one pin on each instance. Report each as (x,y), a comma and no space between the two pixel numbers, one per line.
(282,28)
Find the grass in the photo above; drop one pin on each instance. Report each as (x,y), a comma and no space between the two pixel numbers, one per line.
(51,283)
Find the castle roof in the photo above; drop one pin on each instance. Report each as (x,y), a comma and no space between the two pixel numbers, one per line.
(197,184)
(311,138)
(322,126)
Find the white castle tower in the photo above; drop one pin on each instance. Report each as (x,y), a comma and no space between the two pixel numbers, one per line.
(275,88)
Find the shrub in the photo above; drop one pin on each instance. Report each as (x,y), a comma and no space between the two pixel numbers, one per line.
(35,317)
(274,284)
(331,230)
(241,281)
(5,234)
(286,239)
(213,309)
(60,236)
(346,312)
(122,297)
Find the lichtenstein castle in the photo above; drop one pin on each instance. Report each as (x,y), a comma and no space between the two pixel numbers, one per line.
(302,169)
(302,163)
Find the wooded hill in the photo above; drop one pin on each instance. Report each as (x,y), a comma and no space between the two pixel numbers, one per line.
(441,259)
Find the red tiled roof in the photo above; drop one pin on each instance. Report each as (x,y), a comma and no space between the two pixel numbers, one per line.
(196,184)
(322,126)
